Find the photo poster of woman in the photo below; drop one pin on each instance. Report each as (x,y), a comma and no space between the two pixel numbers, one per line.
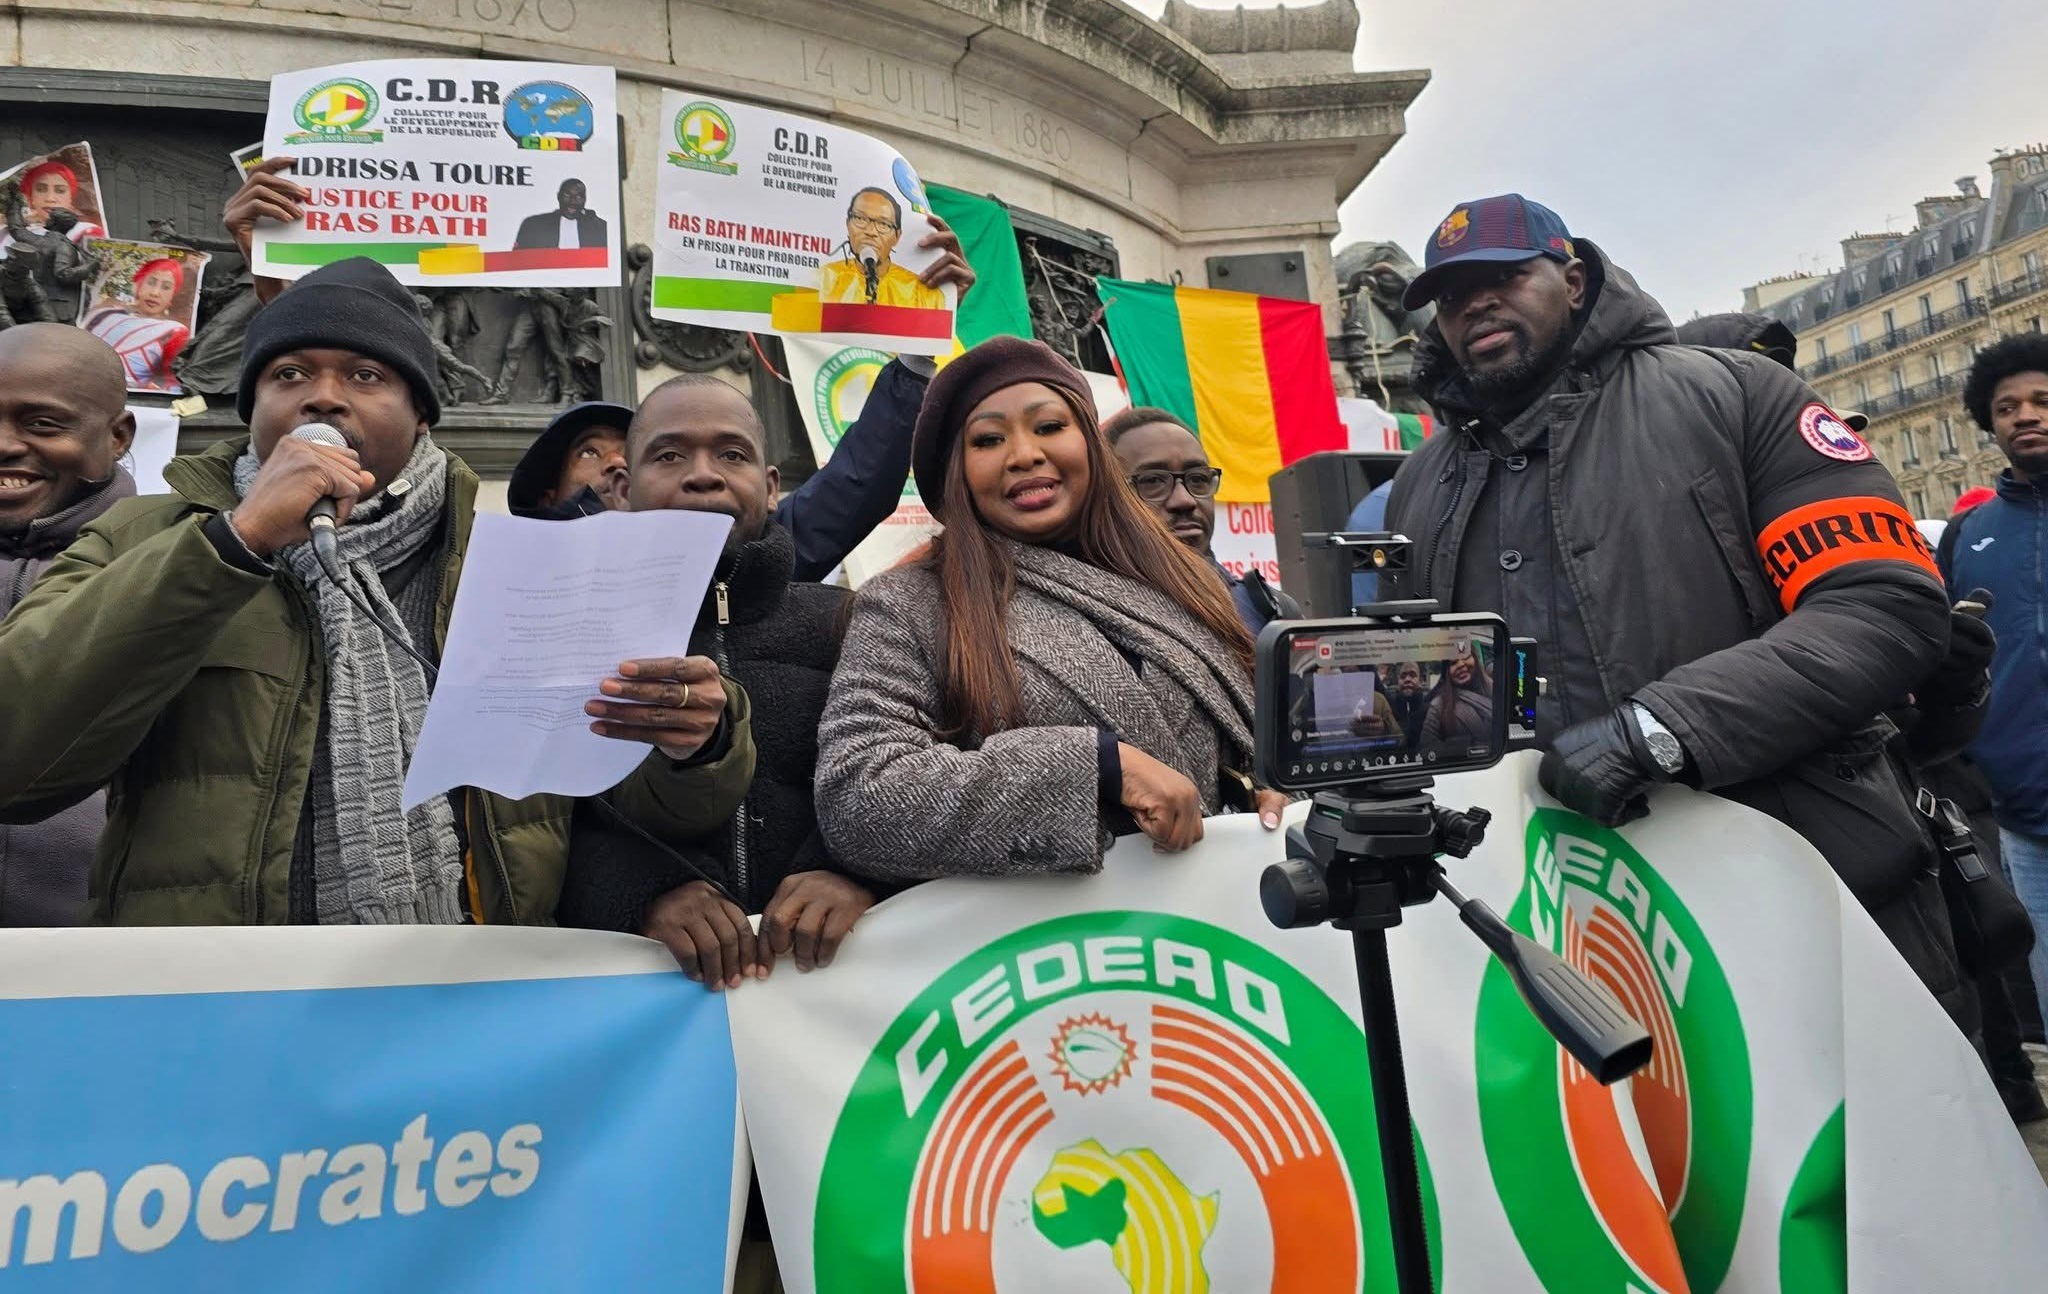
(53,193)
(143,303)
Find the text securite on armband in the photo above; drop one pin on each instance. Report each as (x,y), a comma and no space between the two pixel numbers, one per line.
(1807,543)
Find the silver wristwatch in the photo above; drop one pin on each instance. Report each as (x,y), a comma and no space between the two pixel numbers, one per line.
(1664,747)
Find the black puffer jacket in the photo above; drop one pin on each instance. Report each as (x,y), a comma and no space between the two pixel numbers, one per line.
(778,638)
(1705,538)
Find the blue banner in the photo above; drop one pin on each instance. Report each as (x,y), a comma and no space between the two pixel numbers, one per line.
(563,1133)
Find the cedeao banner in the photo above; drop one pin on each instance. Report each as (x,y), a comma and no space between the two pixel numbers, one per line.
(374,1108)
(1132,1083)
(1123,1082)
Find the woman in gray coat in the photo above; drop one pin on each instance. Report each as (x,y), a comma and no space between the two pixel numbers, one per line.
(1055,669)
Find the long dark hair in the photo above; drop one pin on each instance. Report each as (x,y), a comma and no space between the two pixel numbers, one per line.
(1447,697)
(978,686)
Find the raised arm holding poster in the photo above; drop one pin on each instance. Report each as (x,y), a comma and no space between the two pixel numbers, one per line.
(452,172)
(770,222)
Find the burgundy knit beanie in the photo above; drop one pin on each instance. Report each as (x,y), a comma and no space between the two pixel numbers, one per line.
(966,382)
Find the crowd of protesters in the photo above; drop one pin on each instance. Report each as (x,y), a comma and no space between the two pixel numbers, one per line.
(203,726)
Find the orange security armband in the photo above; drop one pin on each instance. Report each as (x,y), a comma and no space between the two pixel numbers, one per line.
(1806,543)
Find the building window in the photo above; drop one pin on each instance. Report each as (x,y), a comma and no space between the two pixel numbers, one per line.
(2034,323)
(1926,308)
(1948,436)
(1962,292)
(1934,366)
(1912,450)
(1855,335)
(1919,503)
(1898,381)
(1820,348)
(1890,326)
(2031,263)
(1862,392)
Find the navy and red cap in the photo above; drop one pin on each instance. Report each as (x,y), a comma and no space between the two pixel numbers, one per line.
(1502,230)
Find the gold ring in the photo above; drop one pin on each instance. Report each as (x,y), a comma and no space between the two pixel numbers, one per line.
(684,704)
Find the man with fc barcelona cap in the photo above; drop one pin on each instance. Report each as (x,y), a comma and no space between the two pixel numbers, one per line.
(1726,586)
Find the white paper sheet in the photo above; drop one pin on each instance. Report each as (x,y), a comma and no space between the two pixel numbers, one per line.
(156,444)
(546,610)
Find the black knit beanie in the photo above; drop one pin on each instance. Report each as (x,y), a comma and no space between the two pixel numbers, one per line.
(353,305)
(966,382)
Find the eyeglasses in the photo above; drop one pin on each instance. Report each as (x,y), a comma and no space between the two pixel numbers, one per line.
(1157,487)
(871,225)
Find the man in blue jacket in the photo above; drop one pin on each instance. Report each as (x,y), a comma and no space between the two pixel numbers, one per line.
(2001,546)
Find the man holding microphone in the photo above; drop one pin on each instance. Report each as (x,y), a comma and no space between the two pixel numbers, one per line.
(253,717)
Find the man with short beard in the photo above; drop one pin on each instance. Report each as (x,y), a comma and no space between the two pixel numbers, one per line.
(1726,585)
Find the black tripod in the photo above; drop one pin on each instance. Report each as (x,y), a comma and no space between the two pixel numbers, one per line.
(1365,853)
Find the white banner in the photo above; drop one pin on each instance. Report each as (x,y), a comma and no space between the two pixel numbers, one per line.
(1133,1083)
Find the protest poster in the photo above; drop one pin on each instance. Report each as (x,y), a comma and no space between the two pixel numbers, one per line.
(34,192)
(1133,1082)
(143,301)
(376,1108)
(452,172)
(770,222)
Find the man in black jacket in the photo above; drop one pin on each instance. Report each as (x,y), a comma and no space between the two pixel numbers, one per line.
(1727,587)
(696,443)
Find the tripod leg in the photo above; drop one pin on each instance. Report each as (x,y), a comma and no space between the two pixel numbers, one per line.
(1390,1106)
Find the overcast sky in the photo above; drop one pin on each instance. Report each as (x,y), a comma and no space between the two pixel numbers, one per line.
(1704,146)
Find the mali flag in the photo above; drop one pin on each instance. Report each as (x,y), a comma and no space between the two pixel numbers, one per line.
(1251,374)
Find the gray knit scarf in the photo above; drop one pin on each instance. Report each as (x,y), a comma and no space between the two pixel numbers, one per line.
(373,865)
(1140,619)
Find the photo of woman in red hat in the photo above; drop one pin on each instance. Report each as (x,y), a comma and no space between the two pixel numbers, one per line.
(143,307)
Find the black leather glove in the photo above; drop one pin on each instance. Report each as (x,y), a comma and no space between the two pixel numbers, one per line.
(1601,768)
(1963,674)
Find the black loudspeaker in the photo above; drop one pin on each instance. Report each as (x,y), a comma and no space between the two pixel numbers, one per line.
(1317,495)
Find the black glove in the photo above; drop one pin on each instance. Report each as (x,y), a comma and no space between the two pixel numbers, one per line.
(1962,676)
(1601,768)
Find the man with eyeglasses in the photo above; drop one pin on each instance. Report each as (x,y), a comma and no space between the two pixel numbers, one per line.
(866,276)
(1171,474)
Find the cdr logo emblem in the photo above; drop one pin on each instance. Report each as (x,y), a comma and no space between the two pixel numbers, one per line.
(1639,1186)
(1112,1101)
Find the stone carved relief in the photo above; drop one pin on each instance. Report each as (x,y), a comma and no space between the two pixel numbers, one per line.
(1377,342)
(1059,283)
(675,345)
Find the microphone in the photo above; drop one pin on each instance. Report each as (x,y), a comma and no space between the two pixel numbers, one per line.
(321,515)
(868,263)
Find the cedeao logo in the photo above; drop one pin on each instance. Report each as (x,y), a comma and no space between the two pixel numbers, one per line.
(1110,1101)
(1641,1186)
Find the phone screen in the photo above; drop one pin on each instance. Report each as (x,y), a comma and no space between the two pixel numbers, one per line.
(1366,698)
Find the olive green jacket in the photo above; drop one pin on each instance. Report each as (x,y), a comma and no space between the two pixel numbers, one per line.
(191,690)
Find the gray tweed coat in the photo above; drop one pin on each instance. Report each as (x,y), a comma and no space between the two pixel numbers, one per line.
(896,802)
